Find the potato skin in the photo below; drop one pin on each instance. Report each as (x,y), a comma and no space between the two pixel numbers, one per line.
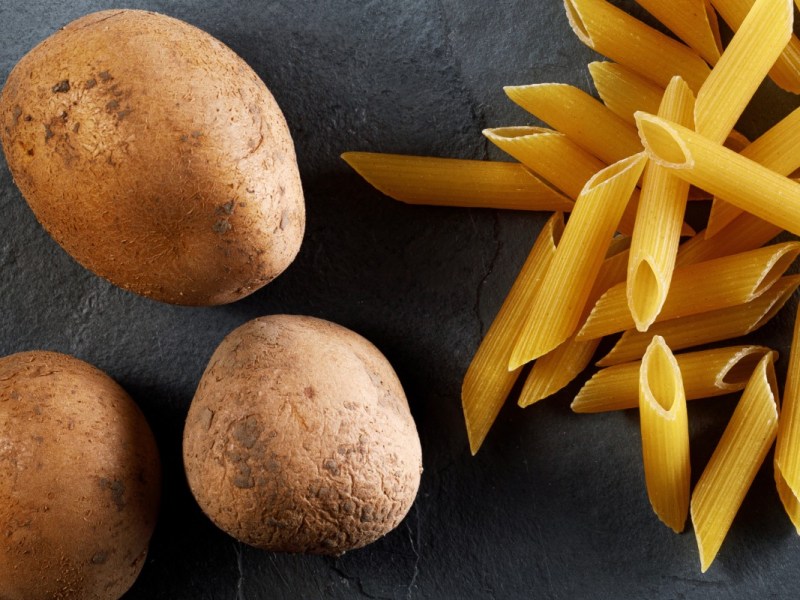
(155,156)
(79,481)
(299,438)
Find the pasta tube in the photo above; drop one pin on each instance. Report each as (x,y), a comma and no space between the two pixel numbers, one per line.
(488,380)
(580,117)
(455,182)
(706,328)
(722,172)
(787,449)
(560,300)
(735,461)
(690,20)
(623,91)
(659,218)
(665,435)
(706,373)
(626,40)
(698,288)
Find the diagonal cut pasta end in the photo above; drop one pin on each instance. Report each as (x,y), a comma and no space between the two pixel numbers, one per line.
(662,143)
(734,374)
(577,22)
(788,498)
(646,291)
(633,165)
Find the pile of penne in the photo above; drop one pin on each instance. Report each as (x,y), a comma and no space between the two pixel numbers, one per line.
(624,169)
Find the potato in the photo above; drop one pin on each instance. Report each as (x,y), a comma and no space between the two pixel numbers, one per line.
(79,481)
(299,438)
(155,156)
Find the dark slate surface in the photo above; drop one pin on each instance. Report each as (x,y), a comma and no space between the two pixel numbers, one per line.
(554,505)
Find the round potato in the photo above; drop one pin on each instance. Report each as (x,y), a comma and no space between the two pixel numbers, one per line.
(79,481)
(155,156)
(299,438)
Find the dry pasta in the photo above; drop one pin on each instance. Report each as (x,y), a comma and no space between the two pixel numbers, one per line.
(569,280)
(706,328)
(690,20)
(659,218)
(455,182)
(735,461)
(557,368)
(623,91)
(743,66)
(580,117)
(700,287)
(706,373)
(629,42)
(722,172)
(787,449)
(786,71)
(665,435)
(488,380)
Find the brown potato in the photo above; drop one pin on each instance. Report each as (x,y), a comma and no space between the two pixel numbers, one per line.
(299,438)
(155,156)
(79,481)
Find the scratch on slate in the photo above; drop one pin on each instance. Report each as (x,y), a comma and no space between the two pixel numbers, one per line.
(237,548)
(489,269)
(357,580)
(415,550)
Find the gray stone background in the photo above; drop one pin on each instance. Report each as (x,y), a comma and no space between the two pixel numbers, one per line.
(554,505)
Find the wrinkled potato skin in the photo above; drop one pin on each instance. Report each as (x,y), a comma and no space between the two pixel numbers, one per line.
(299,438)
(155,156)
(79,481)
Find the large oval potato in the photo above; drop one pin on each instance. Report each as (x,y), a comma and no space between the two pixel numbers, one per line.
(79,481)
(299,438)
(155,156)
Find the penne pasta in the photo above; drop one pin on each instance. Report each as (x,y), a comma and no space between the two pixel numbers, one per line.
(456,182)
(698,288)
(623,91)
(488,381)
(560,301)
(556,369)
(786,71)
(722,172)
(742,67)
(665,435)
(713,22)
(558,160)
(790,502)
(580,117)
(659,218)
(778,149)
(735,461)
(706,373)
(629,42)
(690,21)
(706,328)
(787,449)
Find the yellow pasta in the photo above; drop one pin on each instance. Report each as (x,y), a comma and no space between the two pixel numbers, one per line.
(580,117)
(778,149)
(665,435)
(659,218)
(690,21)
(558,160)
(697,288)
(706,373)
(790,502)
(626,40)
(557,368)
(560,301)
(787,449)
(743,66)
(623,91)
(454,182)
(722,172)
(488,380)
(786,71)
(550,154)
(745,232)
(706,328)
(735,461)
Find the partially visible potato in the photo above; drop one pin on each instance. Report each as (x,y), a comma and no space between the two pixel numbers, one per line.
(79,481)
(155,156)
(299,438)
